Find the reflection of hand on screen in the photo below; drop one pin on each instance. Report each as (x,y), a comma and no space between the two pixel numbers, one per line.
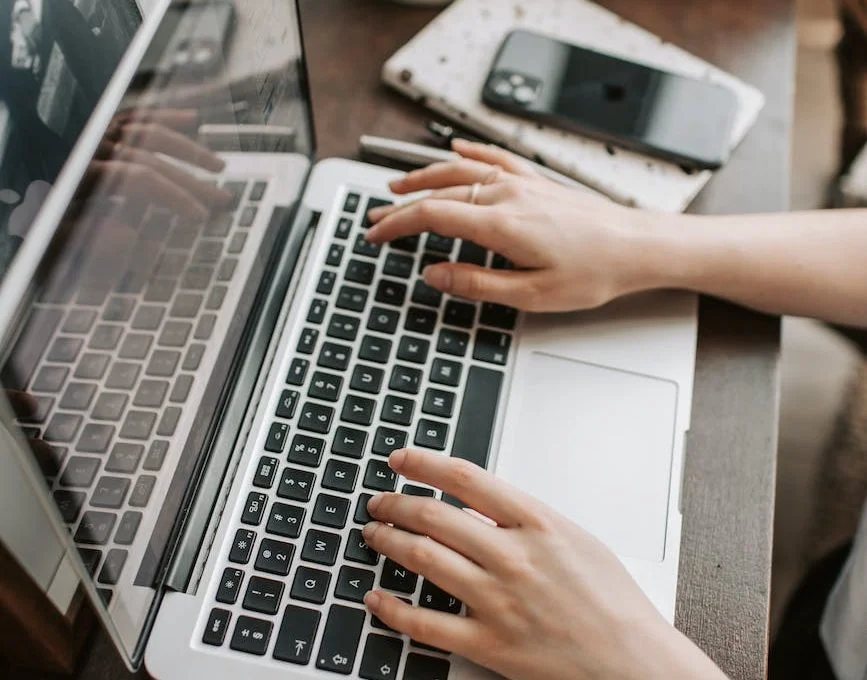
(25,407)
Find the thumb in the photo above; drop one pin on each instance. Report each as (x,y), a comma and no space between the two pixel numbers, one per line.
(505,287)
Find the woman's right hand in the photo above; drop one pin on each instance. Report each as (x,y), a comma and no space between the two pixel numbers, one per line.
(572,250)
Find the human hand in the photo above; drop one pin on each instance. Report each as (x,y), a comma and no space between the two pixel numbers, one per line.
(25,406)
(573,250)
(545,600)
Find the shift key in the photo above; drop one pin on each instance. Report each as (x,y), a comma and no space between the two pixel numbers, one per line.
(340,639)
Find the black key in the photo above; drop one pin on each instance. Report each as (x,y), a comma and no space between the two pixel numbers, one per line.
(379,477)
(205,327)
(254,508)
(69,503)
(397,265)
(375,349)
(258,191)
(357,410)
(432,434)
(420,320)
(110,492)
(423,667)
(453,342)
(366,379)
(95,528)
(335,255)
(160,290)
(287,404)
(383,320)
(461,314)
(439,244)
(298,372)
(163,363)
(377,623)
(321,547)
(366,249)
(316,418)
(216,298)
(95,438)
(428,260)
(62,427)
(90,367)
(65,350)
(122,376)
(141,491)
(472,254)
(351,298)
(326,282)
(251,635)
(397,577)
(236,190)
(500,262)
(353,200)
(499,316)
(306,450)
(296,485)
(307,341)
(236,245)
(248,216)
(151,393)
(325,386)
(297,633)
(197,277)
(186,305)
(358,551)
(371,204)
(408,244)
(50,379)
(388,440)
(266,470)
(317,311)
(349,442)
(397,410)
(80,472)
(353,583)
(334,356)
(169,421)
(156,455)
(413,349)
(263,595)
(359,271)
(127,528)
(439,403)
(343,327)
(80,321)
(444,372)
(391,292)
(275,557)
(330,511)
(344,228)
(475,426)
(340,476)
(215,629)
(381,658)
(423,294)
(285,520)
(412,490)
(492,346)
(405,379)
(340,639)
(148,318)
(91,559)
(310,585)
(230,585)
(434,597)
(362,516)
(78,396)
(277,437)
(51,463)
(112,567)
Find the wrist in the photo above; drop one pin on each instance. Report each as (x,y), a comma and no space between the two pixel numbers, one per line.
(675,657)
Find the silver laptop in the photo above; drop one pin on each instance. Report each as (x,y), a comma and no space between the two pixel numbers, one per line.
(210,402)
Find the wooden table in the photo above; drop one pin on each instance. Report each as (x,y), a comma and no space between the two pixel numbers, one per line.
(724,584)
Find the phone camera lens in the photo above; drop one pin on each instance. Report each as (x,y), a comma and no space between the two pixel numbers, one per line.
(516,80)
(502,87)
(524,94)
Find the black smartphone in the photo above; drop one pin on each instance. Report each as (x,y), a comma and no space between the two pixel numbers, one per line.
(669,116)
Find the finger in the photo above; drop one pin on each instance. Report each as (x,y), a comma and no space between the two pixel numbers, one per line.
(458,634)
(434,561)
(484,195)
(440,521)
(493,155)
(442,175)
(44,455)
(155,137)
(479,489)
(178,119)
(505,287)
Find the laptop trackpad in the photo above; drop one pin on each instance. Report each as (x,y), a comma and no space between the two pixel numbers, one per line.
(596,444)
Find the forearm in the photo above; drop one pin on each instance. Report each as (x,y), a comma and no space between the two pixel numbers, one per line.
(811,264)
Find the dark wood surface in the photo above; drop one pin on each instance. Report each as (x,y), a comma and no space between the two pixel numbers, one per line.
(724,583)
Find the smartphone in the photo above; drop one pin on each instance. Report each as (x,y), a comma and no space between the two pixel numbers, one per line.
(684,120)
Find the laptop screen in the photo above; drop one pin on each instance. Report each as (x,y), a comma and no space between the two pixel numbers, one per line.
(152,154)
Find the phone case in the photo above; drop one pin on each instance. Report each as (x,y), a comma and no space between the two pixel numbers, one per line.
(447,63)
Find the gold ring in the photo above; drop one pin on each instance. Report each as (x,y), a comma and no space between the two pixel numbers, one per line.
(474,193)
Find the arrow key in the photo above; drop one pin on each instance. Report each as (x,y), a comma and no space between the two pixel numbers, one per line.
(381,658)
(296,636)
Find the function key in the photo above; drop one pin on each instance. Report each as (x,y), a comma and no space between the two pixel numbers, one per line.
(383,320)
(317,311)
(275,557)
(242,546)
(297,633)
(277,437)
(420,320)
(344,228)
(371,204)
(423,294)
(444,372)
(423,667)
(230,585)
(472,254)
(453,342)
(340,640)
(432,434)
(366,248)
(334,356)
(127,528)
(408,244)
(251,635)
(430,259)
(499,316)
(360,272)
(215,628)
(285,520)
(335,255)
(439,403)
(459,314)
(307,342)
(440,244)
(263,595)
(398,265)
(391,293)
(381,658)
(343,327)
(353,584)
(297,372)
(366,379)
(340,475)
(330,511)
(379,477)
(325,386)
(492,347)
(349,442)
(265,472)
(326,282)
(375,349)
(351,298)
(254,508)
(321,547)
(112,567)
(412,349)
(387,440)
(306,450)
(296,485)
(358,551)
(352,202)
(287,404)
(397,577)
(434,597)
(310,585)
(397,410)
(316,418)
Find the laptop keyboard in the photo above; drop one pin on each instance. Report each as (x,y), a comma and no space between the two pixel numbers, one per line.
(381,361)
(117,364)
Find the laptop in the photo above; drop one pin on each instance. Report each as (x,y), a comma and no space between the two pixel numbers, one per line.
(203,403)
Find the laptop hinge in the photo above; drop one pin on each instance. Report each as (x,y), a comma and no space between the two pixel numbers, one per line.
(205,514)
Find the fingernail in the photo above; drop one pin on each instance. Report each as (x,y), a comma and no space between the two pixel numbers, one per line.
(371,235)
(374,502)
(374,213)
(397,459)
(372,599)
(438,277)
(369,529)
(397,183)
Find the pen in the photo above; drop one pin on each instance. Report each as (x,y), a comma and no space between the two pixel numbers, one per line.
(419,155)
